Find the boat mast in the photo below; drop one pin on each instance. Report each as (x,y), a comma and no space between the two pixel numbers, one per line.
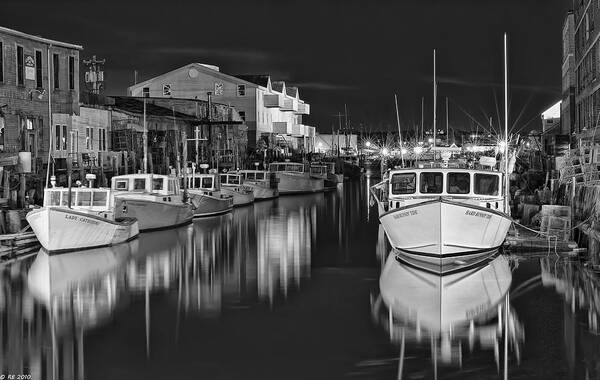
(399,131)
(422,116)
(506,179)
(434,104)
(145,141)
(447,135)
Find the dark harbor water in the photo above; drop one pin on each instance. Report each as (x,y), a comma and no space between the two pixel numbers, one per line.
(293,288)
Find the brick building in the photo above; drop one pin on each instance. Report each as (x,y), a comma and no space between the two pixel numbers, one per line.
(31,88)
(567,111)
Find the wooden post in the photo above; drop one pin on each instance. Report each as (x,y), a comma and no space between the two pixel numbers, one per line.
(22,190)
(6,193)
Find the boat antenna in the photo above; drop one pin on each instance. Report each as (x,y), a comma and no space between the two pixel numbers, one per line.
(506,179)
(434,104)
(399,131)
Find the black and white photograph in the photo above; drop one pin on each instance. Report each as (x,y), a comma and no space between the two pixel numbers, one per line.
(286,189)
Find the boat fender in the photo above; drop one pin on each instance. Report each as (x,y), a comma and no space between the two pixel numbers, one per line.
(124,207)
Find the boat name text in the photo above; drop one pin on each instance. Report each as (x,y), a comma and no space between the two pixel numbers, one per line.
(478,214)
(399,215)
(81,219)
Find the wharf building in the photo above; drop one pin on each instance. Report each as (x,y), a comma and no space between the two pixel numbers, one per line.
(569,82)
(38,76)
(586,15)
(272,111)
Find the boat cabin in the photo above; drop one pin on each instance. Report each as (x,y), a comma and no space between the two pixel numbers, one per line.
(318,171)
(232,179)
(205,182)
(81,198)
(444,182)
(254,175)
(146,183)
(289,167)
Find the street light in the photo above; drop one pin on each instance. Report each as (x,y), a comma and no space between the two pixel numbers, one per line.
(385,151)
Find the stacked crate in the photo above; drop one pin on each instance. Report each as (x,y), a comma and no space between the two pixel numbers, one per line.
(556,221)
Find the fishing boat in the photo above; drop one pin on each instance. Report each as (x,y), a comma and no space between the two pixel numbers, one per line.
(448,211)
(442,214)
(205,195)
(233,184)
(264,184)
(293,179)
(80,218)
(154,199)
(326,171)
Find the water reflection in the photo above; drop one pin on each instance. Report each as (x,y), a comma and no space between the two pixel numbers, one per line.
(454,314)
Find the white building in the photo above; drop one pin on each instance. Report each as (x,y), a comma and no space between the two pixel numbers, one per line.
(272,111)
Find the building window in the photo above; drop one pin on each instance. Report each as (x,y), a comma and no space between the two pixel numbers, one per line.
(38,69)
(87,139)
(242,115)
(56,68)
(20,66)
(104,140)
(29,124)
(64,137)
(166,90)
(74,141)
(71,73)
(1,62)
(146,92)
(241,90)
(57,130)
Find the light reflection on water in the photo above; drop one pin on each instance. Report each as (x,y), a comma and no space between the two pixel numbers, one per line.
(294,288)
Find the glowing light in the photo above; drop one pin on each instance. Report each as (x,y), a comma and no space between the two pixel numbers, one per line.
(528,144)
(418,150)
(430,140)
(368,144)
(403,151)
(385,151)
(501,144)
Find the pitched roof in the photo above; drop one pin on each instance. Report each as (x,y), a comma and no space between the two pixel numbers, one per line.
(259,79)
(291,91)
(278,85)
(40,39)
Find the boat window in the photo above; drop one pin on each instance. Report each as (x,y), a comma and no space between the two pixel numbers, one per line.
(171,187)
(122,184)
(54,198)
(486,184)
(250,176)
(224,179)
(260,176)
(197,183)
(84,198)
(274,167)
(139,184)
(234,180)
(459,183)
(157,184)
(99,198)
(65,198)
(431,183)
(207,183)
(404,183)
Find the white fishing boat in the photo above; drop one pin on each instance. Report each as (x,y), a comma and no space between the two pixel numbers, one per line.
(332,174)
(443,214)
(233,184)
(80,218)
(264,184)
(293,179)
(155,200)
(205,195)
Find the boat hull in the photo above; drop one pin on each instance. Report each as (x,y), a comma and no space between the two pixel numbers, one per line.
(292,183)
(262,192)
(206,205)
(62,229)
(152,214)
(241,197)
(444,231)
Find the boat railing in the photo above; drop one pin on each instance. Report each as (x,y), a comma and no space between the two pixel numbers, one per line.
(451,165)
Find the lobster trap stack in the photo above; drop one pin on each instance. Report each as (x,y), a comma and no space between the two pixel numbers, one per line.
(556,221)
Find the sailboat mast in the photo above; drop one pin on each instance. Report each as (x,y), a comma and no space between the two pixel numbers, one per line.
(447,136)
(506,179)
(399,131)
(145,141)
(422,115)
(434,104)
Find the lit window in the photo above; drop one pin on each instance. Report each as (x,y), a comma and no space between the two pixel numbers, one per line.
(241,90)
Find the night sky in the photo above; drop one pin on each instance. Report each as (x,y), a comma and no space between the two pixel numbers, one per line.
(350,52)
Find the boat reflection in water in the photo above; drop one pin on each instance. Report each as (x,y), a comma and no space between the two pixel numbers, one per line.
(455,312)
